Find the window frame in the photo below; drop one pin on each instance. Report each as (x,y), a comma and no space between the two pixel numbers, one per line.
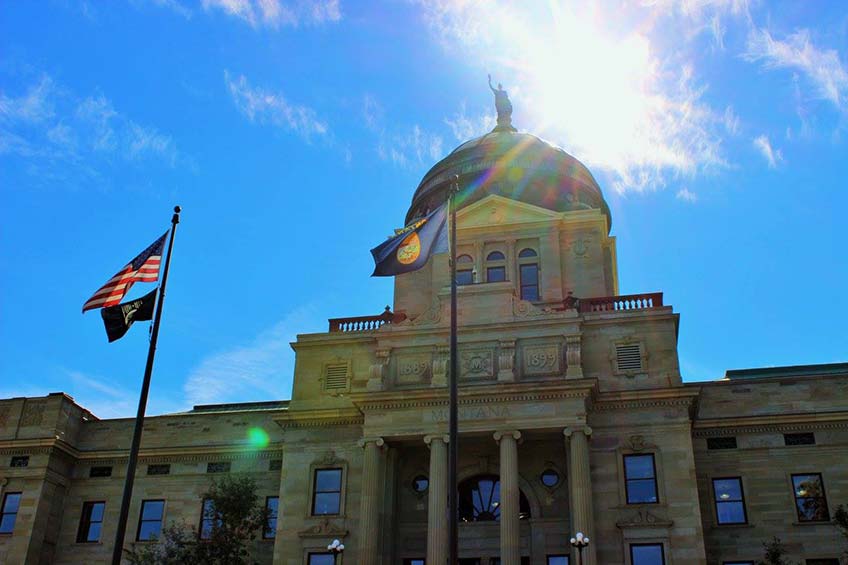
(4,512)
(142,521)
(315,471)
(627,481)
(661,545)
(266,529)
(741,500)
(529,261)
(823,497)
(86,521)
(497,264)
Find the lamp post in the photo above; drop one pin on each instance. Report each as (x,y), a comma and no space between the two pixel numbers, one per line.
(335,548)
(579,541)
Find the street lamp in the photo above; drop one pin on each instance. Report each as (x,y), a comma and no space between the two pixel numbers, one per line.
(579,541)
(335,548)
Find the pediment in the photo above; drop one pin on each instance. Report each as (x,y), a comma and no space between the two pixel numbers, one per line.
(497,210)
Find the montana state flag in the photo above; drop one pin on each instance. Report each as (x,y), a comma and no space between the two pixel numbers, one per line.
(409,249)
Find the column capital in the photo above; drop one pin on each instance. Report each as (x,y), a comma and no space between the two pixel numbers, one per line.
(377,440)
(516,435)
(430,437)
(585,430)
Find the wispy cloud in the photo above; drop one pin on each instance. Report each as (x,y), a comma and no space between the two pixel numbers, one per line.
(822,68)
(259,370)
(274,13)
(771,155)
(464,127)
(267,107)
(687,195)
(61,133)
(405,146)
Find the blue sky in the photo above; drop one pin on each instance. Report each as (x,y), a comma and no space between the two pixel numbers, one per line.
(293,134)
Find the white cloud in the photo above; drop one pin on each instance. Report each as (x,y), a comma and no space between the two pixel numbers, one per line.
(771,155)
(465,127)
(822,67)
(266,107)
(404,146)
(258,370)
(273,13)
(730,121)
(686,195)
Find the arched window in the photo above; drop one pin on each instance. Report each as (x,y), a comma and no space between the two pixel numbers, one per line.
(464,269)
(495,267)
(528,271)
(480,500)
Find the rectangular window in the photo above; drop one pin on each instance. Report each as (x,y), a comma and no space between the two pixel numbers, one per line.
(322,559)
(327,495)
(640,479)
(9,512)
(164,469)
(414,561)
(150,520)
(825,561)
(810,501)
(218,467)
(496,274)
(272,503)
(464,276)
(729,501)
(208,519)
(100,472)
(20,461)
(806,438)
(647,554)
(529,275)
(728,442)
(91,522)
(557,559)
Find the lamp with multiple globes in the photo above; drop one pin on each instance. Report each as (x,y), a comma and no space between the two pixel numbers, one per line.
(335,548)
(579,541)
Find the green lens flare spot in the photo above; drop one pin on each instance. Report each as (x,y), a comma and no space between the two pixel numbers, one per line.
(258,438)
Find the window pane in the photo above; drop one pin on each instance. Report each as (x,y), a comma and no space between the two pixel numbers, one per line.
(639,466)
(730,513)
(527,253)
(646,554)
(558,560)
(7,523)
(496,274)
(12,502)
(727,489)
(273,504)
(641,491)
(807,485)
(495,256)
(529,274)
(326,503)
(464,259)
(328,480)
(464,277)
(97,511)
(321,559)
(152,509)
(812,510)
(93,533)
(149,530)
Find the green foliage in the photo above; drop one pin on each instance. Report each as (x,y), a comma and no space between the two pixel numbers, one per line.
(236,517)
(775,552)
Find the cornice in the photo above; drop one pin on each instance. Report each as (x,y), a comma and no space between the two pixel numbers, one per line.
(183,454)
(320,418)
(708,427)
(652,398)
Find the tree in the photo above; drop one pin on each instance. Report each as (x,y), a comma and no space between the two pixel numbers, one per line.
(840,520)
(232,518)
(775,552)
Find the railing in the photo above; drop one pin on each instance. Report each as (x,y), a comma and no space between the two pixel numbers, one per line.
(365,323)
(619,303)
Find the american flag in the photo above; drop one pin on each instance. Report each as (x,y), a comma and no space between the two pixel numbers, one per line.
(144,268)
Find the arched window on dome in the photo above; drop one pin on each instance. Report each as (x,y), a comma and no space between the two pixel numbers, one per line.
(464,270)
(528,274)
(495,267)
(480,500)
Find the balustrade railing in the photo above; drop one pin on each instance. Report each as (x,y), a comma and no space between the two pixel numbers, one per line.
(623,302)
(364,323)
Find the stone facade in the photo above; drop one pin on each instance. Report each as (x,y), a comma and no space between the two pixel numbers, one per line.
(571,398)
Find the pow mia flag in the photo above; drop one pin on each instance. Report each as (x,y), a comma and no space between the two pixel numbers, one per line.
(118,319)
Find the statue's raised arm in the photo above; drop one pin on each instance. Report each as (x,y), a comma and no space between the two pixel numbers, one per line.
(492,87)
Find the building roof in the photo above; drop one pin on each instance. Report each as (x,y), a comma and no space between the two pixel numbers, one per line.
(820,370)
(519,166)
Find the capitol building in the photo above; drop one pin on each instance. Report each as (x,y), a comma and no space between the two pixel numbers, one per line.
(570,397)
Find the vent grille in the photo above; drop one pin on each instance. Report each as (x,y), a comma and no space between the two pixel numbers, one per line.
(275,465)
(161,469)
(20,461)
(628,357)
(803,438)
(218,467)
(335,376)
(728,442)
(100,472)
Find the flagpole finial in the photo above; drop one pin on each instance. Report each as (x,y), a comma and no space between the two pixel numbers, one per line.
(176,219)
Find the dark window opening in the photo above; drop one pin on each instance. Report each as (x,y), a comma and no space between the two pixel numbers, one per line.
(218,467)
(91,522)
(810,500)
(327,492)
(728,442)
(420,484)
(806,438)
(549,478)
(150,520)
(640,479)
(729,501)
(276,464)
(100,472)
(164,469)
(480,500)
(20,461)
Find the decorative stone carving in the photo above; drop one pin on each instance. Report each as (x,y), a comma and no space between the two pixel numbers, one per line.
(324,528)
(643,518)
(506,360)
(412,368)
(377,371)
(542,359)
(476,364)
(432,315)
(573,357)
(638,443)
(327,458)
(524,309)
(440,366)
(580,246)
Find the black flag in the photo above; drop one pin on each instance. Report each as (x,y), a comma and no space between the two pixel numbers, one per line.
(118,319)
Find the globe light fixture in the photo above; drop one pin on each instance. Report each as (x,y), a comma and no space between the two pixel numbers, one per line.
(335,548)
(579,541)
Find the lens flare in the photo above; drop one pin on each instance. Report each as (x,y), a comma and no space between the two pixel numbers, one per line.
(258,438)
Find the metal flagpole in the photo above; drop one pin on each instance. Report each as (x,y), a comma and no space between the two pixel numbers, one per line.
(142,402)
(453,535)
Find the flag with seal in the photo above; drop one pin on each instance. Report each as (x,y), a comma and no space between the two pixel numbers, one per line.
(118,319)
(410,248)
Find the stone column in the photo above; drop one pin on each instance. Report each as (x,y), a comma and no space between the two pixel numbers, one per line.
(370,501)
(510,506)
(437,501)
(580,488)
